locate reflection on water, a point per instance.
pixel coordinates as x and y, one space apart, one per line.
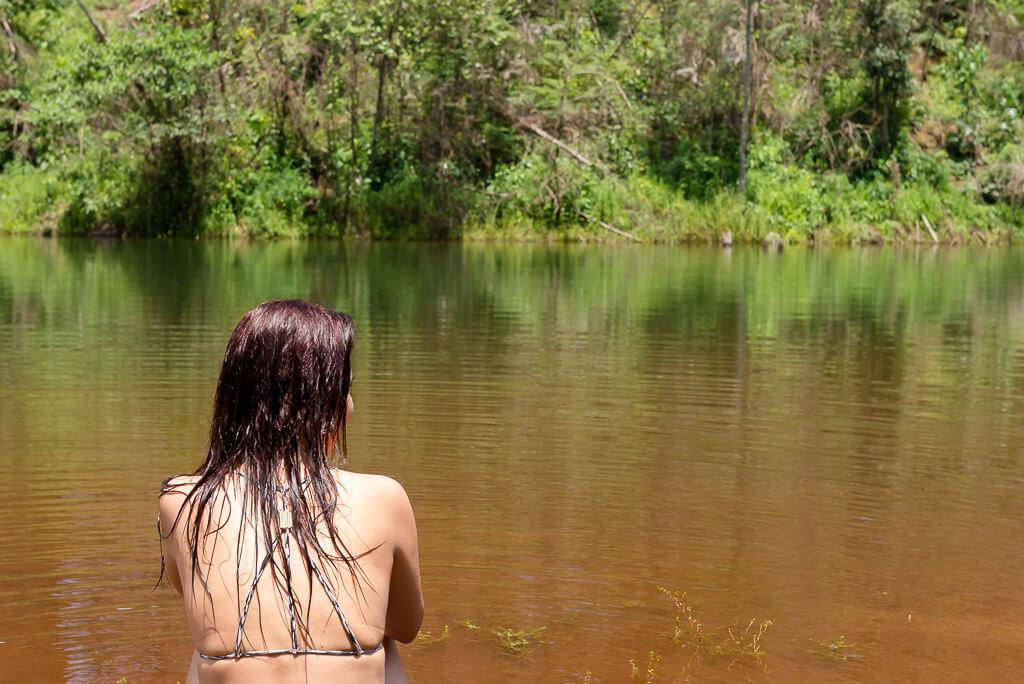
827 439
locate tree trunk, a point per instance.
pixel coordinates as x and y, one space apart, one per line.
383 71
378 115
353 102
741 184
215 40
885 125
972 11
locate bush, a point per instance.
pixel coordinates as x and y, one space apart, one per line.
95 187
411 206
689 166
790 198
26 199
1003 179
269 201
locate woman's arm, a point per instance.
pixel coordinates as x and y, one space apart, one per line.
394 671
405 597
172 498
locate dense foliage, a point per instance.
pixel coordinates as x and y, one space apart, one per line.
512 118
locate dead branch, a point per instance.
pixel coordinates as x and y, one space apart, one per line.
551 194
929 227
541 133
607 226
101 36
10 36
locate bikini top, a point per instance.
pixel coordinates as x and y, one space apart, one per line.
283 540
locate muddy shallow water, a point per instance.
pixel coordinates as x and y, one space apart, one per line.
830 440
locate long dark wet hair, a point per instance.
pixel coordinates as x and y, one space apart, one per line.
278 417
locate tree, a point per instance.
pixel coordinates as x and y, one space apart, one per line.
887 46
742 183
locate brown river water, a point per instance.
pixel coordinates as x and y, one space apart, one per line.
830 440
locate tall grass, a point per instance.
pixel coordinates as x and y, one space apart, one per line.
528 203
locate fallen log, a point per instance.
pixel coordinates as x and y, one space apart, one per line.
929 227
607 226
541 133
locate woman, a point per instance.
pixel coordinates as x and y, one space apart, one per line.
290 570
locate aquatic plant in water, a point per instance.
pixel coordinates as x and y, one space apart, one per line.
649 675
740 643
837 649
425 637
518 641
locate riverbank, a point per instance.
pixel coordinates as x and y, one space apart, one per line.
797 208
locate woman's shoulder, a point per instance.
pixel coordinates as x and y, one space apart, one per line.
370 484
378 491
174 492
178 484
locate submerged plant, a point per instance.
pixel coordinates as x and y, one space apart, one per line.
741 642
837 649
425 637
518 641
749 643
685 612
652 660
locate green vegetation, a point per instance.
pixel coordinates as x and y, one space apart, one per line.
521 119
735 643
651 673
838 649
426 638
518 641
739 640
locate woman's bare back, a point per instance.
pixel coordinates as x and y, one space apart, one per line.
377 594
